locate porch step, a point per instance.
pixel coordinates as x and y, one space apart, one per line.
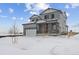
42 34
53 34
48 34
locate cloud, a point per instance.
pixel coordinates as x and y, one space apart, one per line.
75 28
3 16
28 7
21 18
32 12
14 18
17 18
67 6
36 8
11 10
72 5
0 10
42 6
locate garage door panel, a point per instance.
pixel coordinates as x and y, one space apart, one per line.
30 32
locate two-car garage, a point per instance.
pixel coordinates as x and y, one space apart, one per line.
29 29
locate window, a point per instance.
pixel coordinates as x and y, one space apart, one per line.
32 19
46 17
64 21
52 16
36 19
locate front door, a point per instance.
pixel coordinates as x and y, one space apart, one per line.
43 28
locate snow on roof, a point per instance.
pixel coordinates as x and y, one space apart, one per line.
41 21
49 10
28 23
34 16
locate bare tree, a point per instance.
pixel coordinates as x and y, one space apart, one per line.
14 31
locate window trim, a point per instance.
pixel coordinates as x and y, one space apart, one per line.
46 16
52 16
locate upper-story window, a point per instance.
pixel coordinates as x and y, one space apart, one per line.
64 21
46 17
52 16
33 20
37 19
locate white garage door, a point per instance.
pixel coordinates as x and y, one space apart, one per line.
30 32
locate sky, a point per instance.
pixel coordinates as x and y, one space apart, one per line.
20 13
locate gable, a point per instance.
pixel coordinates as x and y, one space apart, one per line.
49 10
33 16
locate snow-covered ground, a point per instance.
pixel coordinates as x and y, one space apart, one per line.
40 45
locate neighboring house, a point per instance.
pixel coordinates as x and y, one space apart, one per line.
49 22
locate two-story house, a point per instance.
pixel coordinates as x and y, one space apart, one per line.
49 22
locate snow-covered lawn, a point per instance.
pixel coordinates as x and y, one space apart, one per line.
40 45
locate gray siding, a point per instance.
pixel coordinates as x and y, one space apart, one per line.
59 17
56 16
27 26
62 21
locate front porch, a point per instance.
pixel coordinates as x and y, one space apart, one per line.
48 28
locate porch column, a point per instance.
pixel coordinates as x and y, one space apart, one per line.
49 27
57 28
24 31
37 27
